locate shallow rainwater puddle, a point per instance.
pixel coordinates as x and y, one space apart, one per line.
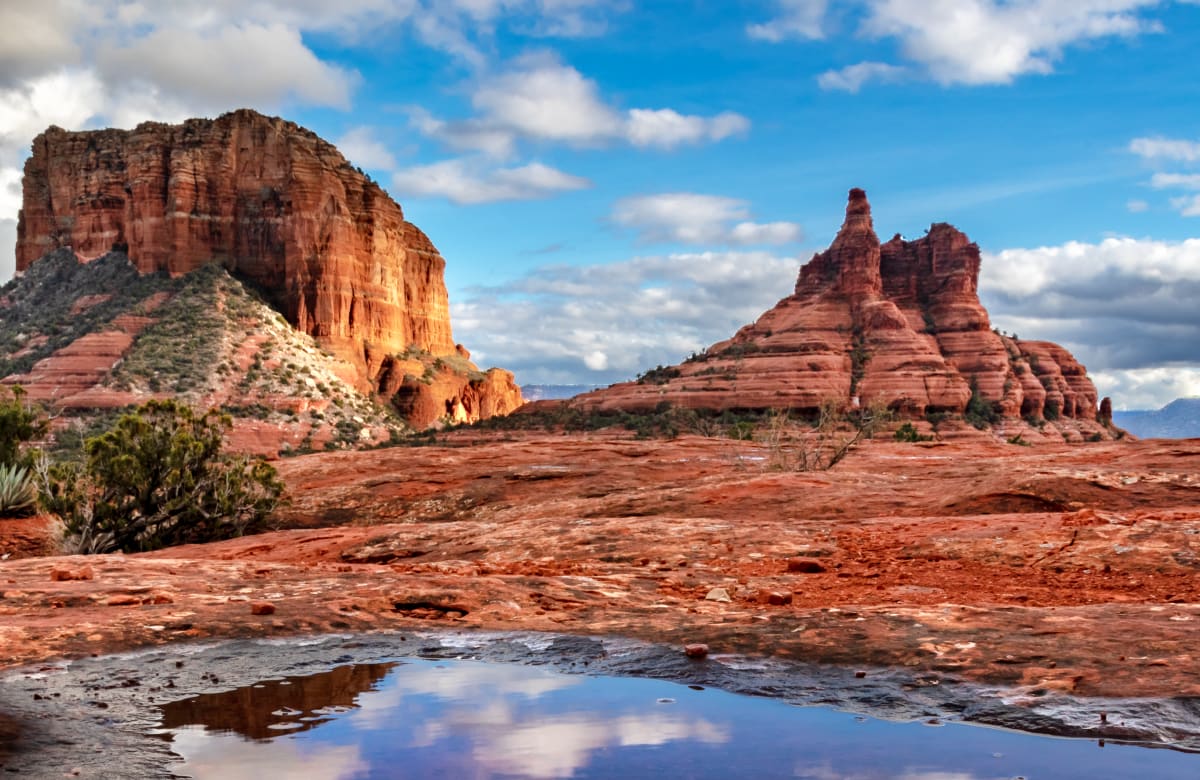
470 719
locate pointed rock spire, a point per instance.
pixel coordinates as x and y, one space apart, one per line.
851 263
858 227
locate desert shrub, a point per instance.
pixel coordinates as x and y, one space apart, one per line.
835 433
859 357
1034 422
659 375
936 418
18 494
742 430
1051 411
159 478
909 433
981 412
20 422
1020 442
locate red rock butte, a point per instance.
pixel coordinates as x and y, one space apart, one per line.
898 322
279 207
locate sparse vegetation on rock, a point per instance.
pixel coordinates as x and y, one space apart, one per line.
833 435
909 433
159 478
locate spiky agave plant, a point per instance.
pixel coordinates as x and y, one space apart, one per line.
18 494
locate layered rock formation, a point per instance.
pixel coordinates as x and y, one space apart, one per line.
898 322
280 208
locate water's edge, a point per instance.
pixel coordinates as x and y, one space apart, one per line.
95 715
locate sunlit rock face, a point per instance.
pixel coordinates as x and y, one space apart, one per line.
897 322
282 209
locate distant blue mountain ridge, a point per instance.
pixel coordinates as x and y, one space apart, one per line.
1179 419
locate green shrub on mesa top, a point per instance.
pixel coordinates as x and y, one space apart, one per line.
158 478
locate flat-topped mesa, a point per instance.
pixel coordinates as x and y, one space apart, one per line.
899 324
280 207
275 204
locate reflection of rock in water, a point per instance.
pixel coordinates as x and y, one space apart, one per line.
10 731
273 707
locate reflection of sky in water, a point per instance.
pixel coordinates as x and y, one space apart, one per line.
460 719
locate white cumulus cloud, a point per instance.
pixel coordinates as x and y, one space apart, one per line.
1123 306
852 77
795 19
1159 148
694 218
993 42
964 41
233 66
1180 153
539 99
1187 205
360 146
668 128
562 320
470 181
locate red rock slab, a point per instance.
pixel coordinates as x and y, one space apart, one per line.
1052 567
79 366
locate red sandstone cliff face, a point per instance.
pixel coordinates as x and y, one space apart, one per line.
278 206
898 322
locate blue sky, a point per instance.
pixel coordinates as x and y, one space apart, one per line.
617 184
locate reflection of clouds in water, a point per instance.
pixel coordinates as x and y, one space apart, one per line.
483 703
557 747
375 709
229 757
460 682
466 681
826 771
659 730
493 714
550 749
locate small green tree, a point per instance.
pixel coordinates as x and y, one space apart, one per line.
20 422
980 412
159 478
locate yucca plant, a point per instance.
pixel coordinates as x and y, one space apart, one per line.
17 491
